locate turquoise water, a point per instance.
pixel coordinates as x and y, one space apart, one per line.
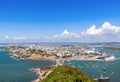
95 68
18 70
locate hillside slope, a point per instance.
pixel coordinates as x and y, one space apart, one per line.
67 74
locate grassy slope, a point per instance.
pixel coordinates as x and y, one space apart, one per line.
67 74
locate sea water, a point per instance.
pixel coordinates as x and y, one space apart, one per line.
96 68
12 70
18 70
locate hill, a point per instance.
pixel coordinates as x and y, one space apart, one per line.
67 74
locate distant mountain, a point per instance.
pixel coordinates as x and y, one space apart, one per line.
67 74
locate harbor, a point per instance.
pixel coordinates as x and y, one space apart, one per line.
92 67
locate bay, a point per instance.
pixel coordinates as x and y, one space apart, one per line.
18 70
97 68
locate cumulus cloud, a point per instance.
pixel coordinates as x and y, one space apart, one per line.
66 35
93 31
106 28
107 32
65 32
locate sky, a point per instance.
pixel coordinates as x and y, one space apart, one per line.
60 20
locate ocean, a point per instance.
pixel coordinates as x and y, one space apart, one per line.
18 70
97 68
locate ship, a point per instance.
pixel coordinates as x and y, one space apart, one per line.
110 58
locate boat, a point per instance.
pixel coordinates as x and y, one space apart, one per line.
102 79
109 58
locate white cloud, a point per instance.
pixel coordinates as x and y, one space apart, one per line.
107 32
55 36
19 38
93 31
66 35
106 28
6 37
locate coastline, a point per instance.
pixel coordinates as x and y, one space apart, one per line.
79 57
36 71
57 62
42 72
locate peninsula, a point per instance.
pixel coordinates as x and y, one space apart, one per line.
57 53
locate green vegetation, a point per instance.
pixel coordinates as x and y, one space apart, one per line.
44 74
66 56
67 74
34 51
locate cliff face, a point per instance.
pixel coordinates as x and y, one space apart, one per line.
67 74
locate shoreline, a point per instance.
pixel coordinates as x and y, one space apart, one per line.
42 72
78 58
36 71
58 62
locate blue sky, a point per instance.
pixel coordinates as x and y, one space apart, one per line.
35 19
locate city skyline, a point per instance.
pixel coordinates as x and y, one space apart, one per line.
59 21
